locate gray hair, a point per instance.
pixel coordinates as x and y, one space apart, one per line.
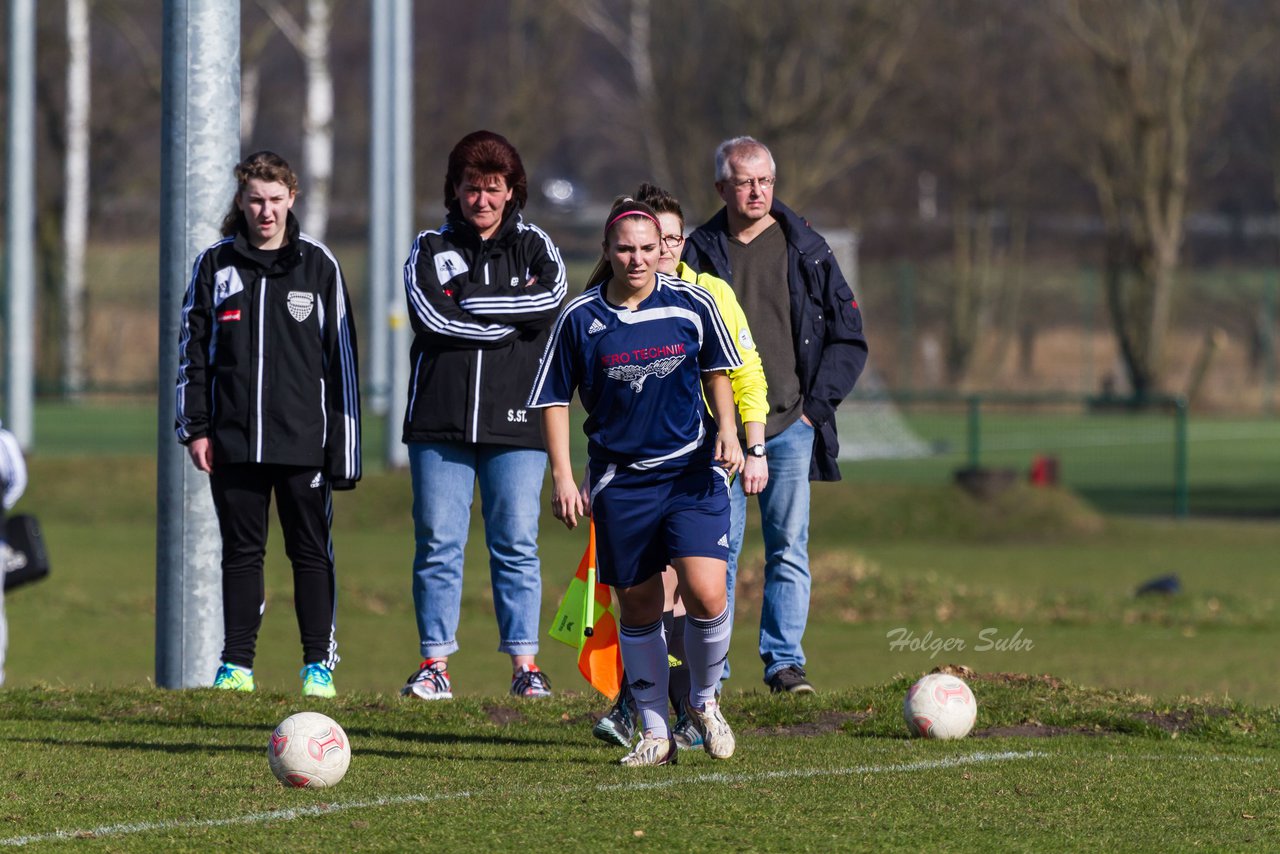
737 146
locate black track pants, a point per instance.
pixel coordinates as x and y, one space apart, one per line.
242 496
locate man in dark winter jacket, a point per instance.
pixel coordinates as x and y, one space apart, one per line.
808 329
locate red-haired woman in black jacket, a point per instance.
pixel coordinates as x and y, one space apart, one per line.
483 290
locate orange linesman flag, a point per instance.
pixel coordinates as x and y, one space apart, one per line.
587 624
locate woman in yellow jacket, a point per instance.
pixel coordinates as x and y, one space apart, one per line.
749 391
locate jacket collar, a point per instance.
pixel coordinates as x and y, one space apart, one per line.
465 233
795 228
284 260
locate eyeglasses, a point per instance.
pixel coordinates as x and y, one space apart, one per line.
672 241
763 183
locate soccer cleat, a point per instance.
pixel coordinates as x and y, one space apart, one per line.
232 677
317 681
431 682
685 734
789 680
619 726
529 681
717 737
651 751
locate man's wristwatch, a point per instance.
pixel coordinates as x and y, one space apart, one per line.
756 451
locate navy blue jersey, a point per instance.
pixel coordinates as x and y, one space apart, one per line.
638 373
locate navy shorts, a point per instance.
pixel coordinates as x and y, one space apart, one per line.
643 523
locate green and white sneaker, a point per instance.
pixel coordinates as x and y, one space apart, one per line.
686 735
317 681
232 677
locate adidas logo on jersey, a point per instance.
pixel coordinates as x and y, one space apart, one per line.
596 326
317 481
723 541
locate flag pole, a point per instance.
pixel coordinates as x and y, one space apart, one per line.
588 625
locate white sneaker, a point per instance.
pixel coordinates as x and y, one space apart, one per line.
651 751
717 737
431 682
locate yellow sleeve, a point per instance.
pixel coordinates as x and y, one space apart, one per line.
749 387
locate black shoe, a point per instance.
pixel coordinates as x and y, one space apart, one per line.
619 726
789 680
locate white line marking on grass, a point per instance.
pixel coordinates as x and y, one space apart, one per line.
800 773
324 809
251 818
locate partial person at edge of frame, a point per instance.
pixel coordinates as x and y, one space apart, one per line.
777 263
13 482
749 393
641 348
269 402
483 290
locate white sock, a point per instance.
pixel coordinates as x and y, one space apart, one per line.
706 647
644 659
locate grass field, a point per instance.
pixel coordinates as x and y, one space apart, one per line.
1052 767
1156 728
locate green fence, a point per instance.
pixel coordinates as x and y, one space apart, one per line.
1153 457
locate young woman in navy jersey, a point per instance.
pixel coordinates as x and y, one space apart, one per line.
641 348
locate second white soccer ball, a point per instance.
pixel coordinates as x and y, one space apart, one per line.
309 750
940 705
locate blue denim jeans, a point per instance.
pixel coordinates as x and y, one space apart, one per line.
444 476
784 518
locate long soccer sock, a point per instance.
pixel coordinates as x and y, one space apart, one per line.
706 645
679 684
644 658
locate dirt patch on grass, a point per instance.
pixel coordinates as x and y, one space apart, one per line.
826 722
503 715
1177 720
1044 679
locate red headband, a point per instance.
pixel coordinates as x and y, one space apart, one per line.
649 217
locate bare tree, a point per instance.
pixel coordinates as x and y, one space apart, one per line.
806 84
311 40
633 40
970 86
1153 71
75 211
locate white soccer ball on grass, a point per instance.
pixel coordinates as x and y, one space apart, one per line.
940 705
309 750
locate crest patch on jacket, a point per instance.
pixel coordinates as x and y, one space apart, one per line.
300 304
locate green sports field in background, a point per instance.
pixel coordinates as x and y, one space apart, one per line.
911 553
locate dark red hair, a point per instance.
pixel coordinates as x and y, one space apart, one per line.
484 152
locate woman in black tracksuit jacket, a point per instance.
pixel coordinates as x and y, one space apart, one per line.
269 401
483 290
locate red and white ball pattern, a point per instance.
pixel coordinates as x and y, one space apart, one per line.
940 705
309 750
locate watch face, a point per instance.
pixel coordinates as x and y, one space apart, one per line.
756 450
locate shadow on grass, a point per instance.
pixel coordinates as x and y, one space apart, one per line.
255 750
